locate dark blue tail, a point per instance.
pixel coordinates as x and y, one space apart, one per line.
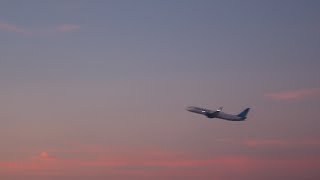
244 113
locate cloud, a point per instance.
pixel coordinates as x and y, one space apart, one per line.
45 156
239 167
272 142
67 28
278 142
11 28
147 166
156 162
294 94
63 28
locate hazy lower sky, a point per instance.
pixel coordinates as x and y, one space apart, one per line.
98 89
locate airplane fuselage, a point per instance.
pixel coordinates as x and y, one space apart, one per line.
229 117
217 114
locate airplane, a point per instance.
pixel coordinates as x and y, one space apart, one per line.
219 114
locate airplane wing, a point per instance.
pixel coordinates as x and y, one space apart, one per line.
207 112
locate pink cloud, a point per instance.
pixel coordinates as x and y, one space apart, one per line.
273 142
295 94
11 28
240 165
194 162
67 28
278 142
155 163
44 156
40 30
119 163
91 150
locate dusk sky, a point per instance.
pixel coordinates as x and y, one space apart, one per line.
98 89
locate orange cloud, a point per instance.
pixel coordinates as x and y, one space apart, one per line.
67 28
295 94
11 28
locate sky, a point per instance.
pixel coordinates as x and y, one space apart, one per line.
98 89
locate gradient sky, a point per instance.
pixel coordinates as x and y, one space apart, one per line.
98 89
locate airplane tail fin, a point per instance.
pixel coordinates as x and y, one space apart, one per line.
244 113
